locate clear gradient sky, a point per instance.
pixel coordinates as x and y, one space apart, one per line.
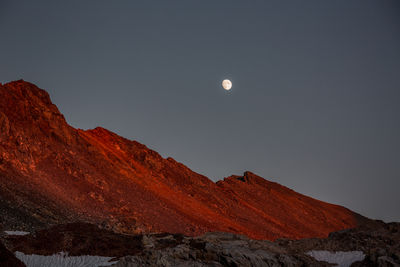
315 98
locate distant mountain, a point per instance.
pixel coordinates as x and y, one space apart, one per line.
52 173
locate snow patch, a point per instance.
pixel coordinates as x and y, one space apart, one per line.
16 233
341 258
63 260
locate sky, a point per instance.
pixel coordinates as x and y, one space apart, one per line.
316 85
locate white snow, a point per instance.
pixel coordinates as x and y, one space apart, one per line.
63 260
341 258
16 233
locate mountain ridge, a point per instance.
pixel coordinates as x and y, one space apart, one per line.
56 174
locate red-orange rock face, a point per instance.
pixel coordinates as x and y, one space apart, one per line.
53 173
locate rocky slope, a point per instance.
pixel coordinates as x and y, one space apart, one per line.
51 173
378 242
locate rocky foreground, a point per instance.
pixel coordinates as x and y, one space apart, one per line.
378 242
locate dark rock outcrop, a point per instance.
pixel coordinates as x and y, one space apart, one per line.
7 258
379 242
76 239
211 249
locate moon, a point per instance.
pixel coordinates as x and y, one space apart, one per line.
227 85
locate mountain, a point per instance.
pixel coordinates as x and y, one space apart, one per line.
52 173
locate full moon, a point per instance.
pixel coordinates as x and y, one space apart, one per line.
227 84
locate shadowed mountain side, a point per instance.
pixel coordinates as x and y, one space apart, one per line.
52 173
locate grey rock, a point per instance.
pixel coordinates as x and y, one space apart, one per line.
214 249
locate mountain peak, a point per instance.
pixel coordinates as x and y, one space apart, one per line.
22 101
26 90
247 177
